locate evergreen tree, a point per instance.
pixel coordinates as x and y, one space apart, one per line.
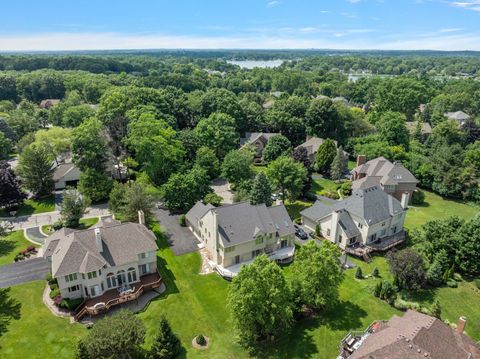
10 193
436 271
375 272
339 165
36 171
359 273
325 155
73 207
166 344
261 190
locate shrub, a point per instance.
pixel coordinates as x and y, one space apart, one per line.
310 196
70 304
377 290
358 273
53 285
201 340
213 198
457 277
57 225
435 309
388 292
346 188
182 220
298 220
317 231
54 293
49 277
452 284
418 197
477 282
330 194
375 272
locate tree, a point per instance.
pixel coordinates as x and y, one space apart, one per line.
276 146
339 165
359 273
437 269
408 268
237 167
155 146
287 175
207 159
213 198
183 190
219 100
95 185
11 194
115 336
36 171
136 199
467 258
262 281
116 199
166 344
73 207
393 130
325 155
317 275
261 190
89 146
323 120
300 154
218 132
56 140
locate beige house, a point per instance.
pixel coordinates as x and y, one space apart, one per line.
235 234
312 144
366 218
393 178
258 140
103 264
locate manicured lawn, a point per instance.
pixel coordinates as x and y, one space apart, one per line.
321 185
294 208
11 245
31 206
437 207
85 223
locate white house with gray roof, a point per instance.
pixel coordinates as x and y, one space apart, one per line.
91 263
368 216
235 234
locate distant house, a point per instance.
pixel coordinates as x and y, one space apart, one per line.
312 144
65 173
258 140
342 100
107 265
235 234
46 104
393 178
459 116
425 128
368 217
413 336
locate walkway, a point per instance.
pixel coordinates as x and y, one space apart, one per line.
35 235
23 271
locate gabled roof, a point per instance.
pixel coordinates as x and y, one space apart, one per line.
62 170
251 137
457 116
371 204
197 212
77 252
388 173
312 144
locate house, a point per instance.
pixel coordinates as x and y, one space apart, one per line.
459 116
258 140
393 178
65 173
413 336
312 144
425 128
369 219
235 234
46 104
103 264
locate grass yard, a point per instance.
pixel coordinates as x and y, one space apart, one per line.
11 245
294 208
321 185
33 206
437 207
85 223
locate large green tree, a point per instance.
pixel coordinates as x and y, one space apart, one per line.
36 170
276 146
407 267
218 132
261 190
207 159
323 120
467 257
11 194
237 166
89 146
325 155
339 165
392 129
263 282
166 345
95 185
73 207
287 176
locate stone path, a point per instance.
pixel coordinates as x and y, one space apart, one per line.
205 268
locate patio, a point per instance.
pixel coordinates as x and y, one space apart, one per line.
102 303
381 245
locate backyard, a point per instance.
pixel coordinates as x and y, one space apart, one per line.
12 244
33 206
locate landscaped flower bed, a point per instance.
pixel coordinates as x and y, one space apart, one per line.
31 250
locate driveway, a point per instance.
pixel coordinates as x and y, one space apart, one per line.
221 188
35 235
23 272
180 238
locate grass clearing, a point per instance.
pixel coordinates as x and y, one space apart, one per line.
33 206
12 244
85 223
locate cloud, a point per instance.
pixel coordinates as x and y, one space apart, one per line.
273 3
447 30
335 40
354 1
473 5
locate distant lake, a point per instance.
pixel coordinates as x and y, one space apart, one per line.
250 64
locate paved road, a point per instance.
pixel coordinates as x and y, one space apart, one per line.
22 272
180 238
36 220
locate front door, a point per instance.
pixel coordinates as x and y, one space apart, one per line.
237 259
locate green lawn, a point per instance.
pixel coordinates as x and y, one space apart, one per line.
11 245
295 207
436 207
321 185
31 206
85 223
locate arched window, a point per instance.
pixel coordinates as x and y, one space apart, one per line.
111 280
121 277
132 275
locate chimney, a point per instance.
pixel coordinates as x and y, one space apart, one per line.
462 321
141 217
361 159
98 239
405 199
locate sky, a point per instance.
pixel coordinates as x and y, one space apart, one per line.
240 24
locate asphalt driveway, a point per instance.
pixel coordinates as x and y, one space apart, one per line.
23 272
180 238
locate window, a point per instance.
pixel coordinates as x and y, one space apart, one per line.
340 238
132 275
121 277
382 233
229 249
83 277
71 277
284 243
373 237
259 240
111 280
394 229
144 268
144 255
328 231
91 275
237 259
256 253
360 225
383 224
73 289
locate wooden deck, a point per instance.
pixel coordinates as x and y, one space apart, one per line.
101 304
381 245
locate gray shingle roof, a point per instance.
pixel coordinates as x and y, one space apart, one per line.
254 136
61 170
197 212
388 172
77 252
347 224
457 116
